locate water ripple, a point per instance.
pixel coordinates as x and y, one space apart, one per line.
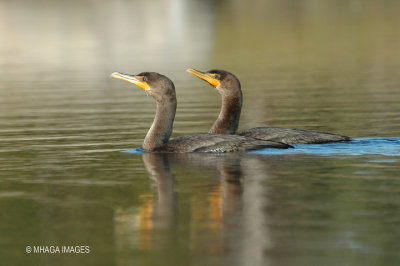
359 146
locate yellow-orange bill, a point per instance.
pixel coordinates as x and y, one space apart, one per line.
208 77
137 80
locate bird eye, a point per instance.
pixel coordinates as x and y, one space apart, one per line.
144 78
216 76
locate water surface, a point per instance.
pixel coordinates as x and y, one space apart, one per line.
329 66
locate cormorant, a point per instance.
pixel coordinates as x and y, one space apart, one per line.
228 86
162 90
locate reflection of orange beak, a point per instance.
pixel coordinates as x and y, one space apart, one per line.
205 76
137 80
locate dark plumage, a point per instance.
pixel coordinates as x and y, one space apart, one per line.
228 86
217 143
292 135
162 90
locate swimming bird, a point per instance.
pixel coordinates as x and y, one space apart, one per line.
162 89
228 86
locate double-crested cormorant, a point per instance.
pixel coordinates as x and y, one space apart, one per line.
228 85
162 90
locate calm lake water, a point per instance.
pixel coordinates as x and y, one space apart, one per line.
323 65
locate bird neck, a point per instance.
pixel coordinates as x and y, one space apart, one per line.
161 129
228 119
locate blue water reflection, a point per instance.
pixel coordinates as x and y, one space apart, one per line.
134 151
359 146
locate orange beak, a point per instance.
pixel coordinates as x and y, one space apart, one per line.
208 77
137 80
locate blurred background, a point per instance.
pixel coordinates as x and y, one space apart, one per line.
331 65
323 65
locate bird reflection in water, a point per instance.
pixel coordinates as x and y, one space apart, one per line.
151 225
211 209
